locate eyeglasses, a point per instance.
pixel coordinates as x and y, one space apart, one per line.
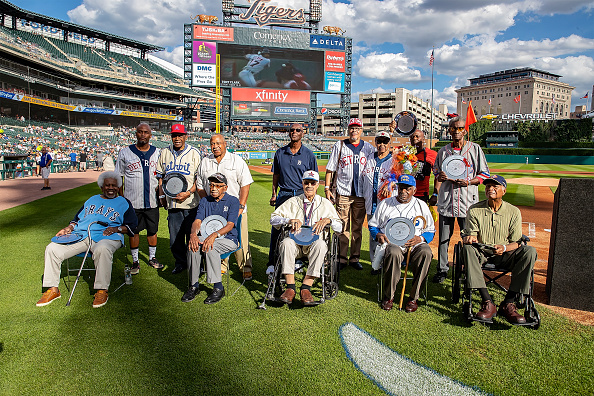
382 141
453 128
309 182
216 185
295 130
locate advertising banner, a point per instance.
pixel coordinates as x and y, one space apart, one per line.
213 33
334 82
204 52
291 111
204 75
329 42
269 95
334 61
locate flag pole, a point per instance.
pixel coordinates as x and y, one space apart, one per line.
432 66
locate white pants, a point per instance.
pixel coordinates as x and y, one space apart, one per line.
289 251
247 78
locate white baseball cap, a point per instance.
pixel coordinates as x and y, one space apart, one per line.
311 175
383 134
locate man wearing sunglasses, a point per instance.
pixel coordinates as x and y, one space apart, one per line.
427 157
290 163
454 197
376 172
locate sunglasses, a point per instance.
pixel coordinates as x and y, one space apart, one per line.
382 141
217 185
457 128
295 130
309 182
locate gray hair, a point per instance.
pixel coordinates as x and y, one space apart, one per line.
455 120
109 175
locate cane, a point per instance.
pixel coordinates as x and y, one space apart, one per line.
407 261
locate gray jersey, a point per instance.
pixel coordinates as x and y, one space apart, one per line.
352 162
139 171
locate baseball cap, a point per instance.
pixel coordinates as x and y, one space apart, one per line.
218 177
407 180
178 128
311 175
356 121
496 179
383 134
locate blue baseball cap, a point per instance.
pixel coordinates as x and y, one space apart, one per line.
407 179
496 179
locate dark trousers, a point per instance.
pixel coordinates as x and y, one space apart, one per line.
282 197
446 229
180 224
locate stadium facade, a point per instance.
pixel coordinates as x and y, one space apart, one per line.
53 70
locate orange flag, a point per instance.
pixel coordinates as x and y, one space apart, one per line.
470 117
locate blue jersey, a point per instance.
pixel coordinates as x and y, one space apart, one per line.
291 167
227 206
115 212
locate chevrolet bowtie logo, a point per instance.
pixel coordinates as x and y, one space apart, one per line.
278 96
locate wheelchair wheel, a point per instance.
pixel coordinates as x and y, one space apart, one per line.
332 269
456 274
531 314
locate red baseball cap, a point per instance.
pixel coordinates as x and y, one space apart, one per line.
178 128
356 121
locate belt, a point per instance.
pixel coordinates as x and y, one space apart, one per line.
294 192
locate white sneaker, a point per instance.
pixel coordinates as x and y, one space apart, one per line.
270 269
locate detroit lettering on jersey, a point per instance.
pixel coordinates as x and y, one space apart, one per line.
137 165
347 160
184 169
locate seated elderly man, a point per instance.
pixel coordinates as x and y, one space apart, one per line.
498 224
404 205
309 210
221 241
108 208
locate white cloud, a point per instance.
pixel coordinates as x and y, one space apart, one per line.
387 67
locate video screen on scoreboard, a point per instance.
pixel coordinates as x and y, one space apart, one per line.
269 67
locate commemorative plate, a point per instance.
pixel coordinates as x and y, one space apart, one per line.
174 183
304 237
400 230
406 123
68 238
454 167
211 224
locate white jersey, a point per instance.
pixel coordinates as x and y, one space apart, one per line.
372 178
186 162
139 169
352 162
256 63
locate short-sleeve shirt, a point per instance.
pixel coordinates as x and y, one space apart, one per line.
139 169
73 157
45 159
291 167
184 161
493 228
352 161
227 206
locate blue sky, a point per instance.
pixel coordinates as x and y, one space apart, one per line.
392 38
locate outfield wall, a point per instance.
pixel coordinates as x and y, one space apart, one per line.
541 159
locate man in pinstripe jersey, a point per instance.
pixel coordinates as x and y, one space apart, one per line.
454 197
137 163
350 204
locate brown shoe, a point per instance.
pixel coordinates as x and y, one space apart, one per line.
100 298
411 306
510 312
387 304
306 297
48 297
247 275
487 312
288 296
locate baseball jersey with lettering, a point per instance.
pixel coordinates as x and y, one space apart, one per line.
186 162
256 63
374 174
139 169
352 161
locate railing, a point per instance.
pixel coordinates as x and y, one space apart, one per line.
14 169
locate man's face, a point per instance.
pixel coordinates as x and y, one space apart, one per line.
310 187
355 132
218 145
143 134
110 188
217 189
405 193
494 191
417 138
178 140
296 132
457 130
43 150
382 144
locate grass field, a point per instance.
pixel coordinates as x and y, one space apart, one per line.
146 342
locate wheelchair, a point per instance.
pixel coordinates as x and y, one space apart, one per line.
329 276
460 289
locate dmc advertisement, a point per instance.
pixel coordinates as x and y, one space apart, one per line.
204 75
269 67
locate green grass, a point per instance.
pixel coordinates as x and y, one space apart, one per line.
146 342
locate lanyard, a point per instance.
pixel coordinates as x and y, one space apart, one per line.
308 217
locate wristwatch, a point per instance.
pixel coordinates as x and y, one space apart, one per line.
218 235
241 206
119 229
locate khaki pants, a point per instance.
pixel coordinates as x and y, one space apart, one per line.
213 261
103 251
351 211
315 252
420 260
243 255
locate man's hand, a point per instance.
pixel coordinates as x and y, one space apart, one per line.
194 243
320 225
499 250
182 196
442 177
413 241
65 231
470 239
273 200
384 192
381 238
295 225
461 182
433 200
329 195
392 127
208 242
110 230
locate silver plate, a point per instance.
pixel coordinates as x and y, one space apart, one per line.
174 183
210 225
406 123
67 238
400 230
304 237
455 167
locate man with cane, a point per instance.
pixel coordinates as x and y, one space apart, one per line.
419 253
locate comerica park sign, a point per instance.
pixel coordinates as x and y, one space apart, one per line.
265 14
533 116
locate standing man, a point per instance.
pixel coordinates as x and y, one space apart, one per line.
99 160
290 163
138 164
184 159
454 197
256 63
72 156
376 171
238 181
427 157
44 165
83 161
347 160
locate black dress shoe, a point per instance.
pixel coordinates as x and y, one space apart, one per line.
215 296
178 269
440 276
376 272
190 294
356 265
